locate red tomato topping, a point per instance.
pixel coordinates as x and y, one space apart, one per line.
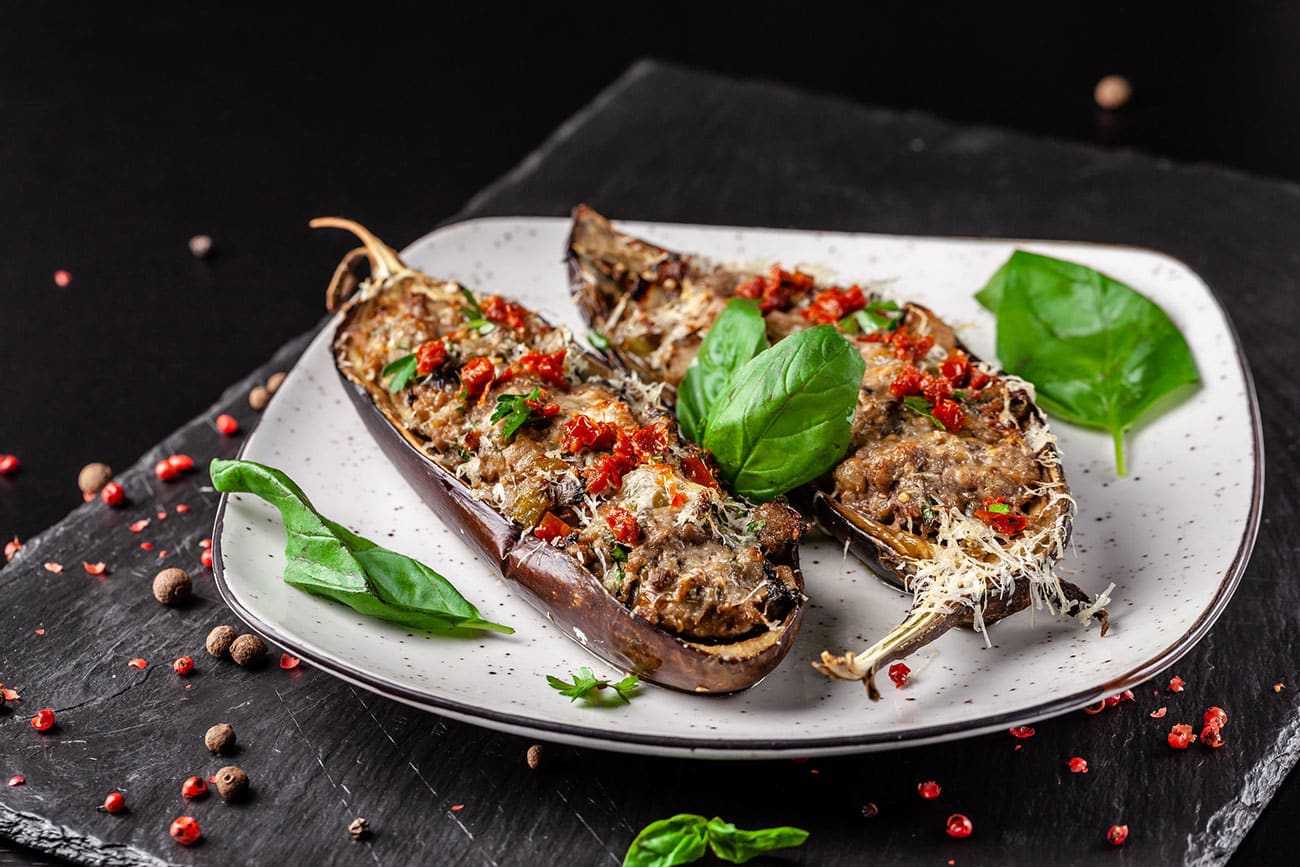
935 388
978 379
1117 834
648 442
624 525
548 367
898 673
905 345
498 309
1008 524
776 291
832 305
907 383
955 368
582 432
551 528
679 499
1215 716
429 357
543 410
698 472
476 376
949 413
605 474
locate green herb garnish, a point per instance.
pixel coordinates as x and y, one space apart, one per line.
1099 353
326 559
923 407
598 340
587 686
401 372
474 313
872 318
737 335
999 508
516 412
786 415
685 837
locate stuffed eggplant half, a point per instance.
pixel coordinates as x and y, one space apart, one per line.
952 486
569 476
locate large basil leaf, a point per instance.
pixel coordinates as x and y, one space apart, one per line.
679 839
736 846
785 418
1098 353
737 335
326 559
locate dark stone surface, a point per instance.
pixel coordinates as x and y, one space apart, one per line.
670 145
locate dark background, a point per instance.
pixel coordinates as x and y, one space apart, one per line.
124 132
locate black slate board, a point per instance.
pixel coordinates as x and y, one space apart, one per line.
320 751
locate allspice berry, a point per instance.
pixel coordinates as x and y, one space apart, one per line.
1112 92
535 756
232 783
172 586
93 477
248 650
220 639
358 828
273 384
259 397
220 739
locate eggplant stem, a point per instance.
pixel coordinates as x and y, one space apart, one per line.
383 260
920 628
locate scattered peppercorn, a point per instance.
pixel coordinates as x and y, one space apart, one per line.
1211 737
220 639
259 397
1078 765
288 663
185 830
232 783
1112 92
1022 732
248 650
928 790
1117 835
220 739
1215 716
273 384
200 246
1176 684
165 471
181 463
183 665
63 278
113 494
227 424
205 558
93 477
172 586
194 787
8 464
11 549
959 826
44 720
870 810
358 828
534 756
114 803
1278 687
899 673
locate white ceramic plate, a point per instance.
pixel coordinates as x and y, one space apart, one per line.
1174 536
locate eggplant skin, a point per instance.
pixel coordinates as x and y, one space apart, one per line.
559 587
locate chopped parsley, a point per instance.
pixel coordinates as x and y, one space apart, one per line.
514 409
587 686
478 321
401 372
922 407
598 340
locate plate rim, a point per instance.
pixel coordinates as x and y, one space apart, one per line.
742 748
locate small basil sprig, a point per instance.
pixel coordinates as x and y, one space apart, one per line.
738 334
923 407
684 838
474 313
875 316
514 409
786 415
1098 353
401 370
326 559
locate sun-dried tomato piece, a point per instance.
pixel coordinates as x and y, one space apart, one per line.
624 524
476 376
698 472
498 309
430 356
832 305
949 413
548 367
551 528
907 382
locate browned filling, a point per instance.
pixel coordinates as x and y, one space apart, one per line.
594 466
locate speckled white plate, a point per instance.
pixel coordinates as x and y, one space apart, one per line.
1174 536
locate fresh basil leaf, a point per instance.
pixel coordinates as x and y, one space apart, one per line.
326 559
514 409
875 316
786 416
921 406
1098 353
401 370
737 335
679 839
736 846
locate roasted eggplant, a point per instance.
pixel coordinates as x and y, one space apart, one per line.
952 487
568 475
